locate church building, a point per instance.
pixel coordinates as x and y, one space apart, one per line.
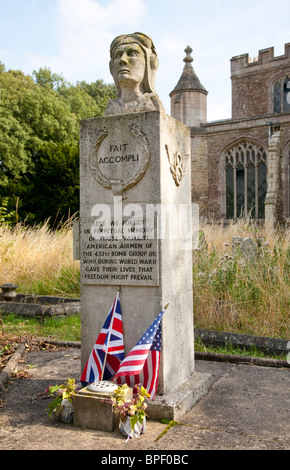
240 166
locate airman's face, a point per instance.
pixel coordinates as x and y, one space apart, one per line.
129 63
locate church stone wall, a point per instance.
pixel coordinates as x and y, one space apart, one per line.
199 170
221 136
253 120
251 82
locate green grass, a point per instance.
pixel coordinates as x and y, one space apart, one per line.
65 283
62 329
231 349
230 293
69 329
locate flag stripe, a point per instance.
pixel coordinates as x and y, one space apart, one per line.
97 362
143 362
115 348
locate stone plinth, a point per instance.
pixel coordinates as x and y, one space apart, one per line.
94 411
135 235
180 400
93 407
135 168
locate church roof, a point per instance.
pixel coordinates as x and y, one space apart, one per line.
188 79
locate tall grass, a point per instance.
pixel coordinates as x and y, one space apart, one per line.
230 293
233 293
39 260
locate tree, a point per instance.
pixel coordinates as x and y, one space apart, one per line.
52 189
45 78
100 92
86 100
39 134
29 116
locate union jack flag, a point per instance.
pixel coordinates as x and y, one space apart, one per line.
109 347
141 365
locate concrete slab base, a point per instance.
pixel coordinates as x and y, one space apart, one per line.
180 400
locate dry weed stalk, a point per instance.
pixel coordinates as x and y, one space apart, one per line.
35 257
234 294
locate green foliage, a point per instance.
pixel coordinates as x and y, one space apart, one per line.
234 350
85 100
60 392
66 283
62 329
29 116
6 217
39 136
52 189
170 424
45 78
133 409
100 92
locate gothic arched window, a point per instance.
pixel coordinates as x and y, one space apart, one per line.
246 181
282 95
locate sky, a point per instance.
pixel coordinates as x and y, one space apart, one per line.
72 38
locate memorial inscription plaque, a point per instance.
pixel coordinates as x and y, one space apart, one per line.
118 253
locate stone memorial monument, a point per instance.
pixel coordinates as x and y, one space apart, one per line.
135 223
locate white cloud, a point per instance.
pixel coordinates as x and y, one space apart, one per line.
89 13
217 109
84 31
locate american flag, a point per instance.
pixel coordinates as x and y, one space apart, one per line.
141 366
110 341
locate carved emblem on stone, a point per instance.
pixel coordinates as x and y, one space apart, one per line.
118 162
177 165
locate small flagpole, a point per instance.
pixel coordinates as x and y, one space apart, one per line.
109 337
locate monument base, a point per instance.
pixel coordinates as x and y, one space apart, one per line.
181 399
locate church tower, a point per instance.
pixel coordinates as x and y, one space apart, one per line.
189 97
